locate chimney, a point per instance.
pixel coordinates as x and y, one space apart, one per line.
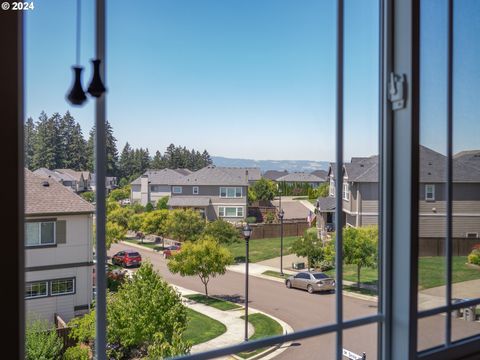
144 190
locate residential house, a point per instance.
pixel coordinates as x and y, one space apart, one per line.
322 174
110 183
360 194
82 178
216 192
155 184
300 179
58 250
64 179
274 174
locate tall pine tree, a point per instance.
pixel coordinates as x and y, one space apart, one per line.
126 163
45 147
29 142
111 149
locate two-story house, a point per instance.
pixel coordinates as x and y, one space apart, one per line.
301 178
155 184
360 194
216 192
58 250
83 178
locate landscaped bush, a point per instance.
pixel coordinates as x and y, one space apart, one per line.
325 265
42 341
474 257
270 218
76 353
114 280
251 220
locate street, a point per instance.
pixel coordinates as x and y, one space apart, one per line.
302 310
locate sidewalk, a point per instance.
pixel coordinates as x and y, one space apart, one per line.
233 322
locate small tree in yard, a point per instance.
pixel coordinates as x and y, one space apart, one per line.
222 231
309 246
145 318
120 194
42 341
114 233
263 190
360 247
135 222
155 222
184 225
204 258
162 204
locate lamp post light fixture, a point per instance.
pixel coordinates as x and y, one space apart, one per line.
281 214
247 232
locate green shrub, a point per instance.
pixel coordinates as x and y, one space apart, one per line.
325 265
474 257
270 218
162 204
42 342
89 196
149 207
76 353
251 220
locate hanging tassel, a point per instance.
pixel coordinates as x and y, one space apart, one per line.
96 88
76 96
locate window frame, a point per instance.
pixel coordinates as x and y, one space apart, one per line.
346 193
432 192
223 210
40 244
195 190
226 188
74 287
177 188
29 283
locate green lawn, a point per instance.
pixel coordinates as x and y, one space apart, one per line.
214 302
201 328
261 249
431 272
264 327
275 274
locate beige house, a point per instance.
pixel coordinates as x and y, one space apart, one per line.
216 192
360 193
58 250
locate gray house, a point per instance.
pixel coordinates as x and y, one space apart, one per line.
155 184
216 192
360 193
300 178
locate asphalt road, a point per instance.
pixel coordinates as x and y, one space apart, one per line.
298 308
302 310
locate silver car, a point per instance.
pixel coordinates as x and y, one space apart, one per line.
311 281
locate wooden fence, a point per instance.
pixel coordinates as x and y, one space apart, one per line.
265 231
436 246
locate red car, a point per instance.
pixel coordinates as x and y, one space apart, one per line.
127 258
171 250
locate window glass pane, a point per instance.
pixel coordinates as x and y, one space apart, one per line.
221 211
231 211
231 192
62 286
239 211
223 192
48 233
431 332
32 233
238 192
37 289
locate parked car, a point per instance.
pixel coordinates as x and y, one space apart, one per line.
127 258
171 250
311 281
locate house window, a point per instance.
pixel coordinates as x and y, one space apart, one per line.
346 192
231 192
36 289
430 192
331 188
177 190
62 287
471 235
40 233
195 190
227 211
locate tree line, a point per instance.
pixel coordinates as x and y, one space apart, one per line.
57 142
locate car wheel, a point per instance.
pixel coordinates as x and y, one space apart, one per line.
288 284
310 289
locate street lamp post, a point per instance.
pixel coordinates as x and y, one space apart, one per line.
281 214
247 232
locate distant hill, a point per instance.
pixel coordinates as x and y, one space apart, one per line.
264 165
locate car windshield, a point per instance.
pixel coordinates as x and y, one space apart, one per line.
133 254
319 276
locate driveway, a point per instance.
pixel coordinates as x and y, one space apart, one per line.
301 310
294 209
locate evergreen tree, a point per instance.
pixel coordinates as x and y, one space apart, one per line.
207 160
111 149
71 143
77 149
45 149
126 163
158 162
90 150
30 132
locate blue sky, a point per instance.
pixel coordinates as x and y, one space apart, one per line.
241 78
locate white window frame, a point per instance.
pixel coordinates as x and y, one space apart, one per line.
40 233
224 189
331 188
346 192
38 296
195 190
177 189
62 293
222 211
432 192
